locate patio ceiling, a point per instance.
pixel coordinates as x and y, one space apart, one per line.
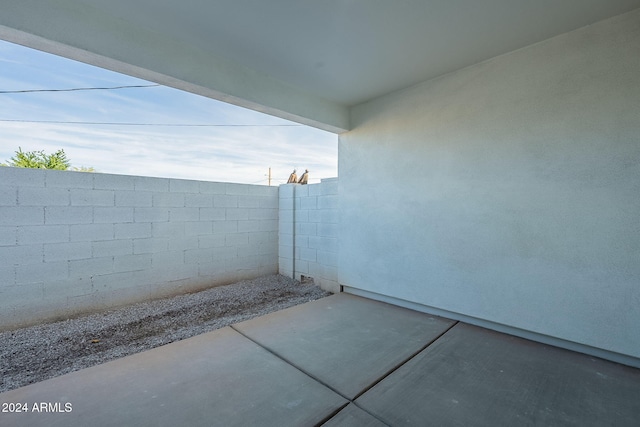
301 60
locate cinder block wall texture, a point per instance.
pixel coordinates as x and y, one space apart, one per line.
73 242
309 232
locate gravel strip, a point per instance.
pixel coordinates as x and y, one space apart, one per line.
37 353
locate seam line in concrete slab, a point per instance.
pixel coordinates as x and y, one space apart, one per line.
399 365
357 406
365 410
391 371
353 401
290 363
313 378
333 414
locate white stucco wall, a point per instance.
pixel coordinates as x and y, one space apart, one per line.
73 242
508 191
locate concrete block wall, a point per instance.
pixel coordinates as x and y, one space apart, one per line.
308 232
73 242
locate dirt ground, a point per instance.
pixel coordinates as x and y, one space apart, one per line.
37 353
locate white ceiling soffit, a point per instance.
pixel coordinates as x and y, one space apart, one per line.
299 59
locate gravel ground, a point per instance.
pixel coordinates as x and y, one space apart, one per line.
37 353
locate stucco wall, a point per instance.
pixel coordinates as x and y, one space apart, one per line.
308 230
72 242
508 191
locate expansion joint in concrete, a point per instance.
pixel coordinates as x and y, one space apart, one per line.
351 400
289 362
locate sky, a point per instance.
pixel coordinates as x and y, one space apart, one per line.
230 153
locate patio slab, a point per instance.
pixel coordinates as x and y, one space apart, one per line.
344 341
219 378
473 376
283 372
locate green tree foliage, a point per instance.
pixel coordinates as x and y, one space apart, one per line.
42 160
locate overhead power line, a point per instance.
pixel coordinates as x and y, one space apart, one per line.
77 89
120 123
141 124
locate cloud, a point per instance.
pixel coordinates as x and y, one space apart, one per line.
215 155
229 154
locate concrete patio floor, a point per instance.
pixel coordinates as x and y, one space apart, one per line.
339 361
